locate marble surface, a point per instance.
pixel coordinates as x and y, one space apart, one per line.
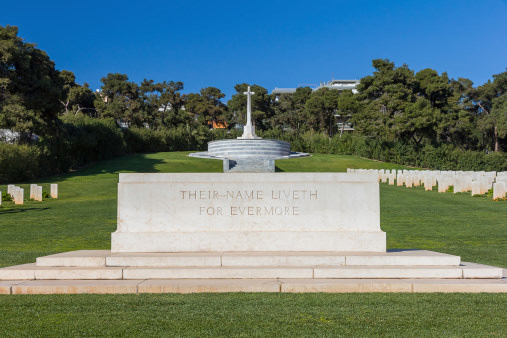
248 212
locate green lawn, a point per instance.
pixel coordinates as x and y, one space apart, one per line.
85 214
255 315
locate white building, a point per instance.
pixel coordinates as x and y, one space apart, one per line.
333 84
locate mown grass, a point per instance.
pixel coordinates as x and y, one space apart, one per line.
85 214
255 315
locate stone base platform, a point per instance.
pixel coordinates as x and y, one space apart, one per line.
100 271
253 285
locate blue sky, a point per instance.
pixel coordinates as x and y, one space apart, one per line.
269 43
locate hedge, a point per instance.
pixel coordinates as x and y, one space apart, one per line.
81 140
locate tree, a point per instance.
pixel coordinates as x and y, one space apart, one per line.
261 106
320 109
30 86
165 104
120 99
289 110
490 99
348 106
400 106
383 95
207 104
458 124
76 97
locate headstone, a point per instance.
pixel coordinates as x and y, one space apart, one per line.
486 184
54 191
443 185
400 180
0 198
32 190
392 178
38 193
427 183
10 189
409 181
416 180
499 190
385 178
19 194
476 188
248 212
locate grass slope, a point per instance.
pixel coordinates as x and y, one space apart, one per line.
85 215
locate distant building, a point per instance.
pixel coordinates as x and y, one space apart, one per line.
333 84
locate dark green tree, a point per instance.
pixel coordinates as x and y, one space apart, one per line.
207 105
120 99
289 110
491 114
261 106
321 109
76 98
30 87
165 105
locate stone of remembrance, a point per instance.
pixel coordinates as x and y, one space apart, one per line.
248 212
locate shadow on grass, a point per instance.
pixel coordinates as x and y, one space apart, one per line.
127 163
21 209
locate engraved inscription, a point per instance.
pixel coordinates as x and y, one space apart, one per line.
287 197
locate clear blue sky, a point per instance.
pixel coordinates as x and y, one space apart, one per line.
270 43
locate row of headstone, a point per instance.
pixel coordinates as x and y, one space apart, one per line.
18 193
477 182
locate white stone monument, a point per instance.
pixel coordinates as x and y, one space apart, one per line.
249 128
248 212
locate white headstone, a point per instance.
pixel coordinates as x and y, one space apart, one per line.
443 185
32 190
499 190
476 188
400 179
38 193
19 194
54 191
427 183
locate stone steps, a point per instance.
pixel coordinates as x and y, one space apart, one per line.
104 265
464 271
100 258
252 285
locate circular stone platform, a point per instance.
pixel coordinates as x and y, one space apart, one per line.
249 148
249 155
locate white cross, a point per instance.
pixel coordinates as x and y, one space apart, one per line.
249 94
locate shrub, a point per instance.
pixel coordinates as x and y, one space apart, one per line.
19 162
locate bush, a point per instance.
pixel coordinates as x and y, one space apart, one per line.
19 162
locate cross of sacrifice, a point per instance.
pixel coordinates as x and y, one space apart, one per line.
249 94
